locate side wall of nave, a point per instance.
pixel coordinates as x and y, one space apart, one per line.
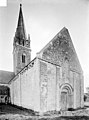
24 87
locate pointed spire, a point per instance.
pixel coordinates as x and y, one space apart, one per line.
20 20
20 31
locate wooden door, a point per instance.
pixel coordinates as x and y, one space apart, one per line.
63 100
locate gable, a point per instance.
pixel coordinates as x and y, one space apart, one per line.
61 50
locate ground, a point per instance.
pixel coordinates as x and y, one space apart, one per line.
13 112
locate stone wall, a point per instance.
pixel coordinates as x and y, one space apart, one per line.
60 51
52 78
47 86
17 57
17 91
25 87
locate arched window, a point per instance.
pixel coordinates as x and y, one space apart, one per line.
23 58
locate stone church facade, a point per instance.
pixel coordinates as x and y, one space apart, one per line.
53 80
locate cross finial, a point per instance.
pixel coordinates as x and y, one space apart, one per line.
20 5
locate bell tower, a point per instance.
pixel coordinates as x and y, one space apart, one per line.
21 45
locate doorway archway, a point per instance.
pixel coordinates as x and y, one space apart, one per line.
66 96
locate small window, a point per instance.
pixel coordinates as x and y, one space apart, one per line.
23 42
23 58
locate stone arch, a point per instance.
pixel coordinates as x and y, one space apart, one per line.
66 96
68 87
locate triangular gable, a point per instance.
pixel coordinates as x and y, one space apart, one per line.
59 49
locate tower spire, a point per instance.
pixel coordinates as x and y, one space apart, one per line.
21 45
20 31
20 19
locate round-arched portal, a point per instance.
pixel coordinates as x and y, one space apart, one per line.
66 96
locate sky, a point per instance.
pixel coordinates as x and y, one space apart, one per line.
43 20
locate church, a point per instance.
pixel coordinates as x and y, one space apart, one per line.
52 81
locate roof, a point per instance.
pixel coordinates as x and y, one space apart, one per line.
30 63
6 76
20 31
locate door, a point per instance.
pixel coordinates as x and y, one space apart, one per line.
64 100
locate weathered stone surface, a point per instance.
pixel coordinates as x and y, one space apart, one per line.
25 88
60 49
48 82
44 84
60 52
17 54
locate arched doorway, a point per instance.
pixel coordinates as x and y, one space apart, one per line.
66 96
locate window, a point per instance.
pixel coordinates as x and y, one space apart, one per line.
23 58
23 42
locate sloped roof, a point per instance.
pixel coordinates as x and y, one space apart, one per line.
6 76
20 31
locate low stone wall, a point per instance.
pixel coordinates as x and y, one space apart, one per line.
81 112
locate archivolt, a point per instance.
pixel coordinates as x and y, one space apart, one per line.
66 87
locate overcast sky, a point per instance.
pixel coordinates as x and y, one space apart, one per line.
43 20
